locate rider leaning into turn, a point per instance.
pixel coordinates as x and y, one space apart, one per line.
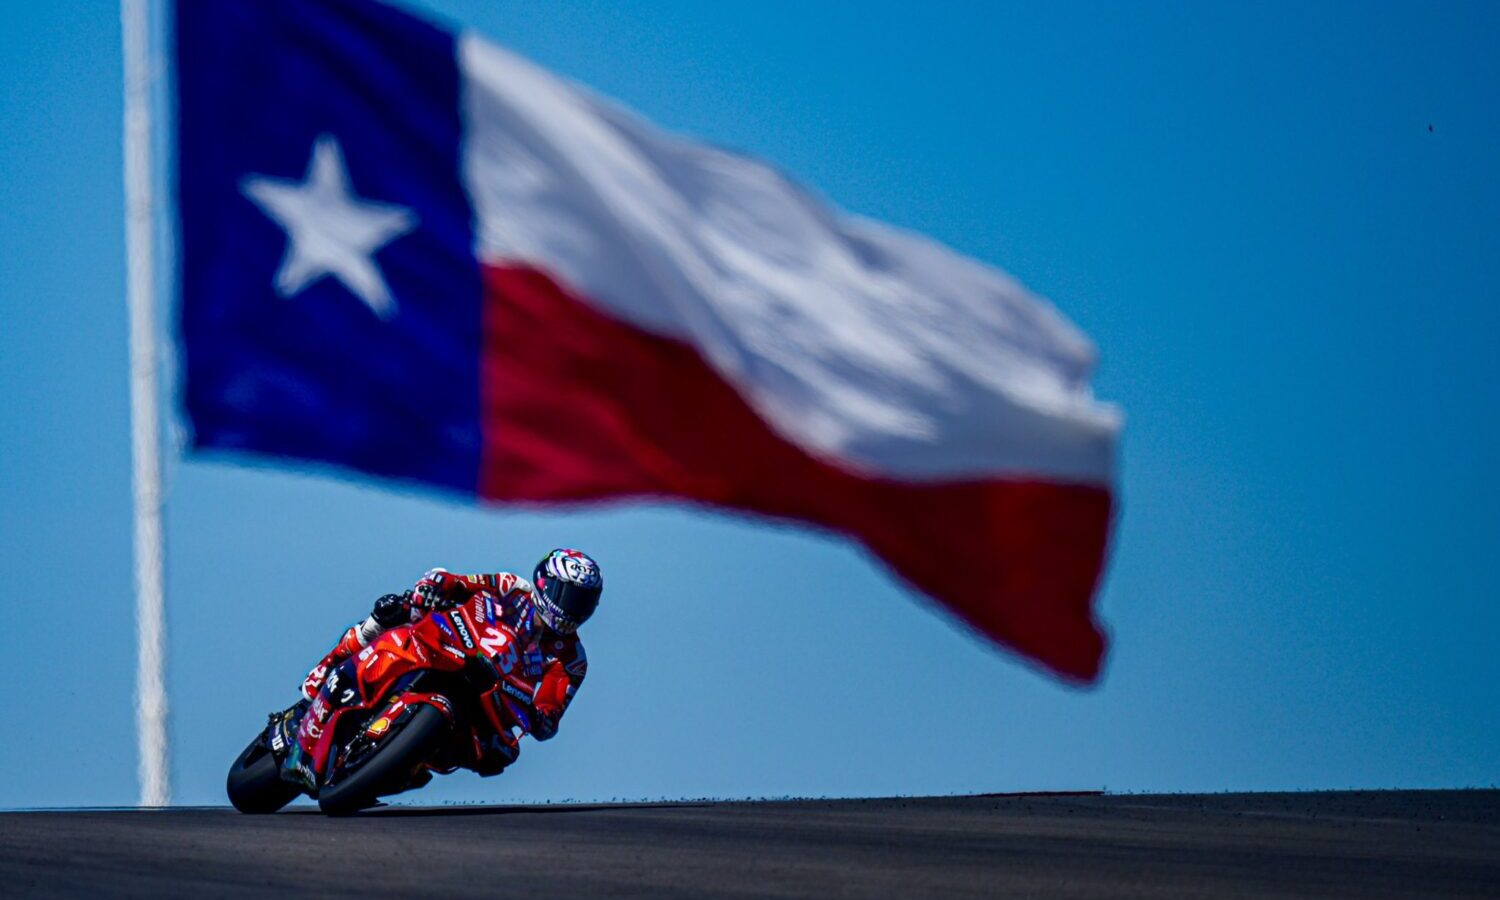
545 613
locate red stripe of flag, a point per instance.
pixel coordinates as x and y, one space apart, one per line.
577 405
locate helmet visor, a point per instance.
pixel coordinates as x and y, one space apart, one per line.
569 604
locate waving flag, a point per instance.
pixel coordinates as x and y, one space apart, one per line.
417 256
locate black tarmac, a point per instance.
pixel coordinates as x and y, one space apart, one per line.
1346 844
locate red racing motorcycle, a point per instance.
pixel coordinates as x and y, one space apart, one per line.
422 699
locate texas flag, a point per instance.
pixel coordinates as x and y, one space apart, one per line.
411 254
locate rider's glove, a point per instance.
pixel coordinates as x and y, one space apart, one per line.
427 596
392 610
544 728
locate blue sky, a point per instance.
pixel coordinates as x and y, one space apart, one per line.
1290 277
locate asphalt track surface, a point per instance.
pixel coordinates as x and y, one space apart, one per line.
1347 844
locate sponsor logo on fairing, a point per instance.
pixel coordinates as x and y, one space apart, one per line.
463 630
304 772
482 606
515 692
525 617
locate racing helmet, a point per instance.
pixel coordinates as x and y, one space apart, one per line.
568 584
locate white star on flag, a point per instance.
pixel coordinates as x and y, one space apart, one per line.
330 230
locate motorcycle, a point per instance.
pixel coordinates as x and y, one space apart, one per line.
412 704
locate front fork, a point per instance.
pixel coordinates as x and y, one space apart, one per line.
281 739
302 729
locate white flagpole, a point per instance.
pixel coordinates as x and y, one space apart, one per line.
145 425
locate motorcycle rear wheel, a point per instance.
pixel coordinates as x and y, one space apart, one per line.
389 771
254 783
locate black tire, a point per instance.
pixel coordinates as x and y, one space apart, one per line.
390 769
254 783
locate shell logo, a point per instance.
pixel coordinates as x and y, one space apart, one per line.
378 727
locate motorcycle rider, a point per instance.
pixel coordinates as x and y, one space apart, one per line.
544 612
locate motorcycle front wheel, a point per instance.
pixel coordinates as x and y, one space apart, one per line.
254 783
391 768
